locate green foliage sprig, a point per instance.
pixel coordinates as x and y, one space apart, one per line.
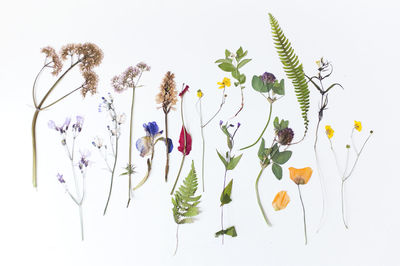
185 202
276 155
232 63
293 69
230 162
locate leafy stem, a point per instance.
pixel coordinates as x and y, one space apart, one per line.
258 197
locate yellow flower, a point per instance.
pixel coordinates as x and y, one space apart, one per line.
199 93
225 83
318 62
357 125
300 176
329 131
280 201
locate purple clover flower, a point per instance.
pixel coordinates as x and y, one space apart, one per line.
268 78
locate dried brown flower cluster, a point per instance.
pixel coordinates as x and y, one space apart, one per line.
127 78
167 96
55 62
91 81
89 54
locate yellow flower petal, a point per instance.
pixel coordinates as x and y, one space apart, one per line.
329 131
199 93
227 82
357 125
280 201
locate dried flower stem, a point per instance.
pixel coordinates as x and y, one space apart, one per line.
177 239
149 165
222 209
219 109
262 133
203 144
184 147
259 200
304 214
344 176
166 147
36 114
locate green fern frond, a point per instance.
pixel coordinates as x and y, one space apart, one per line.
185 202
293 68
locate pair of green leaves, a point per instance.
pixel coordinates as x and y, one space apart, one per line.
232 162
280 125
230 231
227 64
260 86
266 155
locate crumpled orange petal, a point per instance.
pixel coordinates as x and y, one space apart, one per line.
300 176
280 201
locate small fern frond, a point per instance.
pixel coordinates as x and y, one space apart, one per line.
293 69
185 202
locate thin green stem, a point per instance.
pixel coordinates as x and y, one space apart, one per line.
149 165
304 214
343 210
259 200
262 133
179 173
113 170
222 209
34 165
166 147
61 98
130 148
177 239
203 144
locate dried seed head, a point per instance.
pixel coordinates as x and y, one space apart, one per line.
55 59
126 79
90 84
90 55
167 96
68 50
285 136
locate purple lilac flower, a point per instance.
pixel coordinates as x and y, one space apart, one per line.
62 129
84 162
78 124
60 178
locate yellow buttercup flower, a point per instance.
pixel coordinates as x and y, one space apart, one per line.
300 176
329 131
225 83
357 125
199 93
280 201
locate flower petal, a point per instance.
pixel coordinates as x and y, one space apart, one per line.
185 142
144 146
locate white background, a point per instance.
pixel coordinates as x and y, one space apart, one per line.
359 37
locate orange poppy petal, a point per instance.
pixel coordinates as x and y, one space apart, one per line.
280 201
300 176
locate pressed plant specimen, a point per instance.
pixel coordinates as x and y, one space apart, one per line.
226 82
230 161
347 172
267 84
276 155
167 98
301 177
114 132
280 201
185 202
129 79
146 146
325 69
185 139
82 163
85 56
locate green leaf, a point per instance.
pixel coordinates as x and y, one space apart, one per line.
281 157
243 62
261 150
233 162
277 170
230 231
276 88
226 60
276 123
227 67
242 79
227 53
226 194
284 124
258 85
239 51
236 74
222 159
293 69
